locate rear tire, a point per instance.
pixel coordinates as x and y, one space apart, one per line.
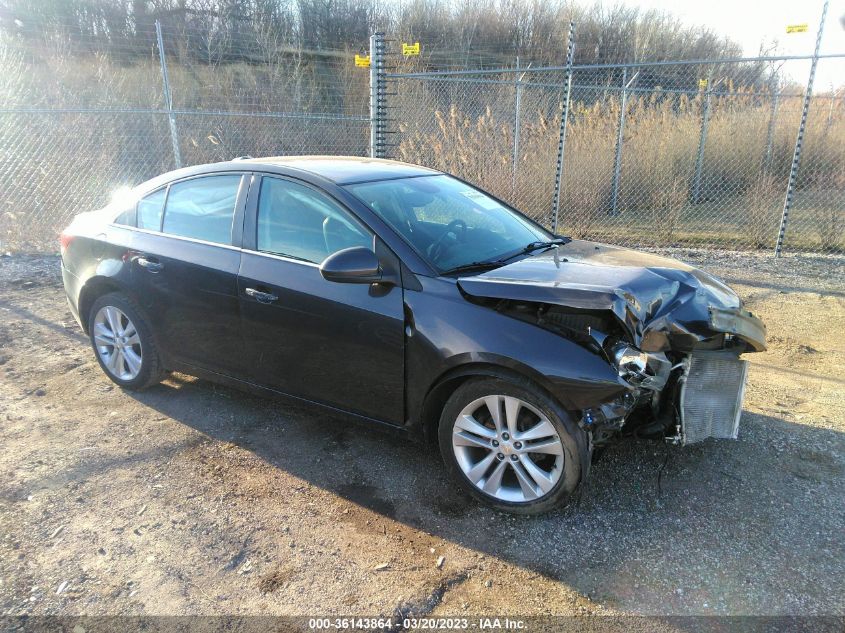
123 343
527 461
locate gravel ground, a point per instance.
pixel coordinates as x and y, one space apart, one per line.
191 498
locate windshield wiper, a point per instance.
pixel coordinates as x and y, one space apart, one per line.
473 267
495 263
536 246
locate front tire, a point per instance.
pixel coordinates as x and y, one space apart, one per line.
123 343
511 446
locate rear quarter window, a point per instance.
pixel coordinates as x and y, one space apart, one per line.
126 217
149 210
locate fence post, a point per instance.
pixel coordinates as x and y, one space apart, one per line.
564 116
377 96
516 125
617 163
702 141
168 98
796 155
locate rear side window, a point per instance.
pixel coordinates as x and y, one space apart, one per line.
298 222
126 217
149 210
202 208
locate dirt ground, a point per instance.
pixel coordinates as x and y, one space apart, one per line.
195 499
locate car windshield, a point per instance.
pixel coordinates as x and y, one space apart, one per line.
448 222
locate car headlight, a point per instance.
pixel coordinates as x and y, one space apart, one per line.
638 368
630 359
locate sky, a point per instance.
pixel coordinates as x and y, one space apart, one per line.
752 22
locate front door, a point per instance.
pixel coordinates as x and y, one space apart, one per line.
334 343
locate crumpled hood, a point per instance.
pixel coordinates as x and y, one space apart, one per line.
662 303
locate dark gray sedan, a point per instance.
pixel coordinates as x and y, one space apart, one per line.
406 297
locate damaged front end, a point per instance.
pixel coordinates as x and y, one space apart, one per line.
673 334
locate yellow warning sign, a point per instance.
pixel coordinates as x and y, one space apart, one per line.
702 83
410 49
362 61
796 28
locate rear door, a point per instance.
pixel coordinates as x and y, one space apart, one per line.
334 343
185 265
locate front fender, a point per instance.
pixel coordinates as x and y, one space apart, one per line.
448 332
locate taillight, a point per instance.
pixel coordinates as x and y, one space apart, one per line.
64 241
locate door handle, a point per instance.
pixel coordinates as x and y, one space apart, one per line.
261 297
149 264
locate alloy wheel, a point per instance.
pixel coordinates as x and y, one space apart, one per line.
508 449
117 342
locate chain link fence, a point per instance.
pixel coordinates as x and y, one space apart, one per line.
683 154
83 114
688 154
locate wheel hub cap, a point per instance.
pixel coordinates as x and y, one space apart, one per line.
508 449
117 342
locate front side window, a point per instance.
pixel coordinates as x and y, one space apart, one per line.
299 222
447 221
149 210
202 208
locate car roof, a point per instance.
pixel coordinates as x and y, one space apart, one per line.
344 170
338 170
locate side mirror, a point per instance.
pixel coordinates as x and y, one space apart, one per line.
356 265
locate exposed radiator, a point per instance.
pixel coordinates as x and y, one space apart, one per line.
711 396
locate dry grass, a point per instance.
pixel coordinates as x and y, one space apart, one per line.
763 202
56 165
740 191
831 221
